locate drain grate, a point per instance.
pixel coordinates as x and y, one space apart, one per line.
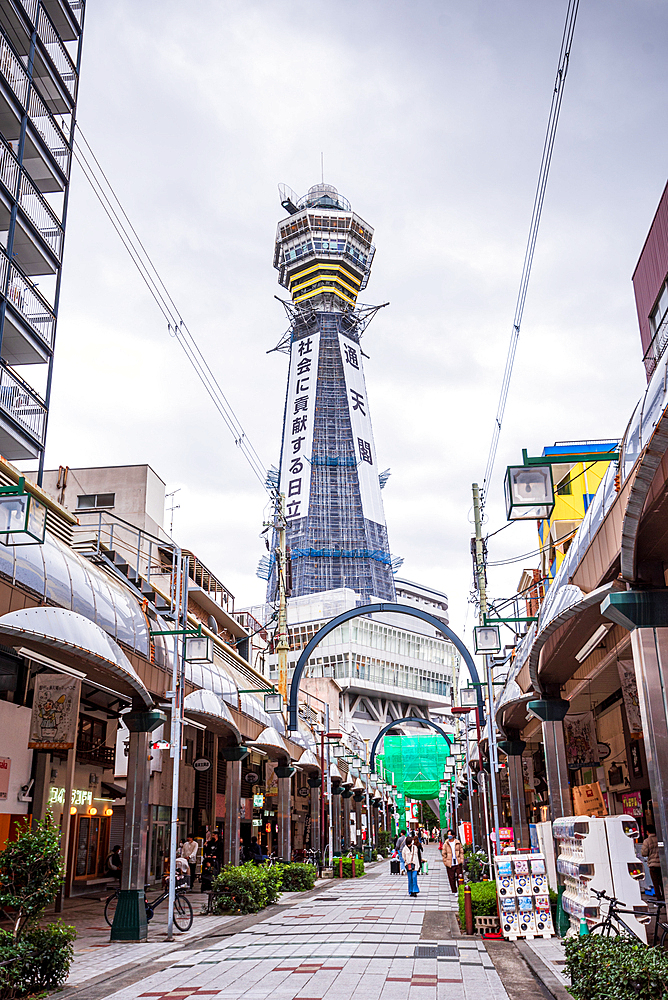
436 951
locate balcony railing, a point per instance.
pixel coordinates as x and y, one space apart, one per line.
9 168
39 212
657 347
89 752
58 53
45 124
20 402
17 78
30 7
27 300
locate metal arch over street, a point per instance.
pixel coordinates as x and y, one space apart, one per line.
374 609
397 722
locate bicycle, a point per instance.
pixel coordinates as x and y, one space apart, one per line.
183 911
606 927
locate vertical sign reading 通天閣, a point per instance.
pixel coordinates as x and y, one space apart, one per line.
298 430
360 422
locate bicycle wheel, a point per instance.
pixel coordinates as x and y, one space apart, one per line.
110 908
183 913
604 929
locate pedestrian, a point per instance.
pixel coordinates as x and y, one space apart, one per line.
650 850
399 845
453 859
189 852
114 863
255 852
412 860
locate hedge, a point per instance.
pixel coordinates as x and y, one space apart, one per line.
483 900
249 888
615 968
348 867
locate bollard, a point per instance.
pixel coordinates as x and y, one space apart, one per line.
468 910
353 867
340 867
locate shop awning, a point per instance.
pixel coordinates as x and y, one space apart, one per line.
77 642
210 709
271 742
309 762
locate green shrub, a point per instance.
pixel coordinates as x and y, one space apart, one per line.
475 864
348 867
603 968
31 873
483 900
299 877
385 840
39 960
241 889
273 876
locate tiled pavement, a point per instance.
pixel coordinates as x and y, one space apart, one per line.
354 941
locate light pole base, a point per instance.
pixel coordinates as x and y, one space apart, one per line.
130 917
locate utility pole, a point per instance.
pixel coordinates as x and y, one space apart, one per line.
282 644
176 695
482 593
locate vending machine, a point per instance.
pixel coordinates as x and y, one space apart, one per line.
597 852
524 901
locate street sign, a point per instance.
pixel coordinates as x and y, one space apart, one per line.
201 764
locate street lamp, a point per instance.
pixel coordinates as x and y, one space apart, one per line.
487 639
529 492
22 517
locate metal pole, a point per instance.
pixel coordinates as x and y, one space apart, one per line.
321 845
329 794
482 591
470 784
176 698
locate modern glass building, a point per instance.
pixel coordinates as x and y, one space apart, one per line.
328 470
40 54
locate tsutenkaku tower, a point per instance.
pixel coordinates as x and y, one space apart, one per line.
328 470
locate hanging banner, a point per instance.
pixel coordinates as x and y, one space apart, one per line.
5 767
627 679
581 741
297 450
360 422
527 770
588 800
55 712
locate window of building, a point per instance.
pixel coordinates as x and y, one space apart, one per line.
564 488
660 310
94 500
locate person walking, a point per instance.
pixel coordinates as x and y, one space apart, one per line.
453 859
399 845
412 860
114 863
189 852
650 850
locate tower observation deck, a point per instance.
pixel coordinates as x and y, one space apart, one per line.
328 470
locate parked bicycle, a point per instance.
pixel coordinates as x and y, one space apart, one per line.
612 924
183 911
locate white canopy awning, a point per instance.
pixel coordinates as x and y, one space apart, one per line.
77 642
209 708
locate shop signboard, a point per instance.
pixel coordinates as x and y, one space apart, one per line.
55 712
5 765
632 803
588 800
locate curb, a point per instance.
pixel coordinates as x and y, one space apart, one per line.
541 972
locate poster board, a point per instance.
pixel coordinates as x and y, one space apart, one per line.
524 899
588 800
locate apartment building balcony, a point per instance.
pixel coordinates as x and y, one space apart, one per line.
22 417
47 154
54 70
30 322
38 238
90 752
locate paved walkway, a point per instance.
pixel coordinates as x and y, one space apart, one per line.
365 940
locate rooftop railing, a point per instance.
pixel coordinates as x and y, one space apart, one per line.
22 404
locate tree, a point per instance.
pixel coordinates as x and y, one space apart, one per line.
31 872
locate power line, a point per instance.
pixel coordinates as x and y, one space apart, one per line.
176 325
548 146
535 552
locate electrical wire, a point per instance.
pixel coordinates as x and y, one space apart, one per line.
548 146
536 552
176 325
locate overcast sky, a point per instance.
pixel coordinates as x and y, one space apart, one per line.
431 116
